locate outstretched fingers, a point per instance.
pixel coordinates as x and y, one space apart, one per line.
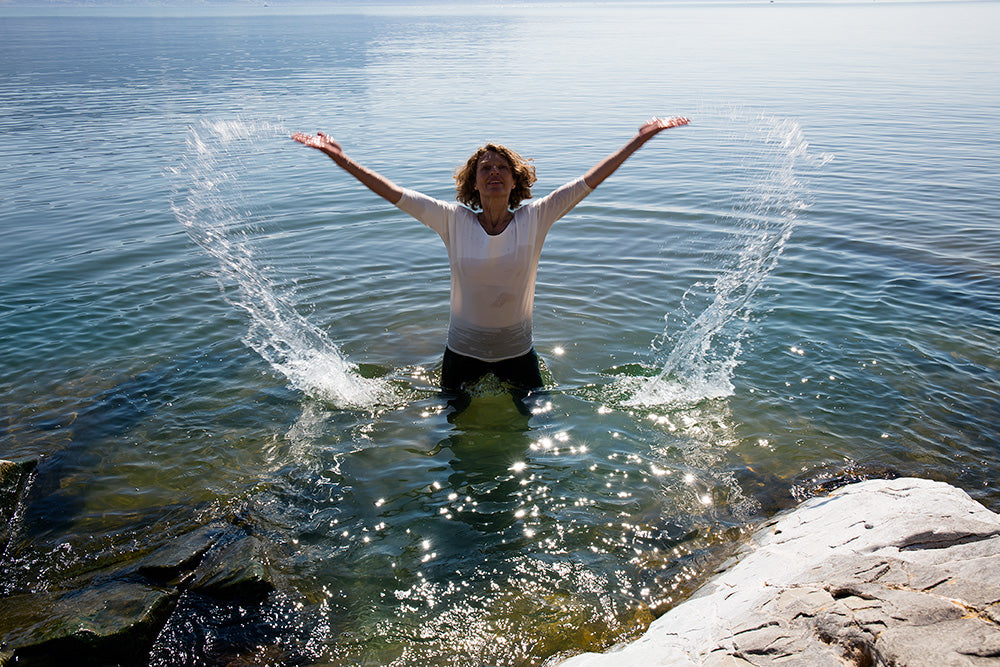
320 141
658 124
306 139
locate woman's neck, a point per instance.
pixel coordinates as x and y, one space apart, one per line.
495 216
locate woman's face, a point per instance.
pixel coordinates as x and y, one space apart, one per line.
494 177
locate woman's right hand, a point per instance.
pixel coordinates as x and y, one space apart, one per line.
320 142
372 180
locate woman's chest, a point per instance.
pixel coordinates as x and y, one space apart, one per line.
476 253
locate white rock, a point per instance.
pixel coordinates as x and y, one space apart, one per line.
855 575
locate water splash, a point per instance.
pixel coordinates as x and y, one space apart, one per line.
705 352
216 199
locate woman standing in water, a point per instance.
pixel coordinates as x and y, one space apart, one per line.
493 245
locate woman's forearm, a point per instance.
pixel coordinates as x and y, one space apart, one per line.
600 171
372 180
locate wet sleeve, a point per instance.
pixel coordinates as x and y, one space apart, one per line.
432 212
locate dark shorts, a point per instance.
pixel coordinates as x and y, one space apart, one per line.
522 372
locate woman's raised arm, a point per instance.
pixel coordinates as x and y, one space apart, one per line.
374 181
608 165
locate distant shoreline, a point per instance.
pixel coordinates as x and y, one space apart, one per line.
271 8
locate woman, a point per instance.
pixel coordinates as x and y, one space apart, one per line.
493 247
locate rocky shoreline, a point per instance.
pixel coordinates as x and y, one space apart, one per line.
881 572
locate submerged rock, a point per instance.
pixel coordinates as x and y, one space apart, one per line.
220 560
111 624
115 617
240 570
175 561
15 477
882 572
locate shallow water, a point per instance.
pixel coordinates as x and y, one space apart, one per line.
203 319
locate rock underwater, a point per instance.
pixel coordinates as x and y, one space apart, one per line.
15 477
115 618
882 572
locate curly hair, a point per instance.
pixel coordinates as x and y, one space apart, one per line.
523 172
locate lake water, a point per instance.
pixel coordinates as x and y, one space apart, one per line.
202 319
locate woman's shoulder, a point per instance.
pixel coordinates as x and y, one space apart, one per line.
415 196
574 190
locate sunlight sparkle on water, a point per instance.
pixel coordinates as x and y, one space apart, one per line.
542 408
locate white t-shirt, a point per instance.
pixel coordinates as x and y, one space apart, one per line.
493 277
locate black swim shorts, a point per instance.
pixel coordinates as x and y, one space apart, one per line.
458 370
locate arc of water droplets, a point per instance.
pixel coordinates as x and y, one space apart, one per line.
209 201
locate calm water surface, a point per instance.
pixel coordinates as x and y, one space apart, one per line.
202 319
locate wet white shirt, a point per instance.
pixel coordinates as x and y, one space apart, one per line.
493 277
